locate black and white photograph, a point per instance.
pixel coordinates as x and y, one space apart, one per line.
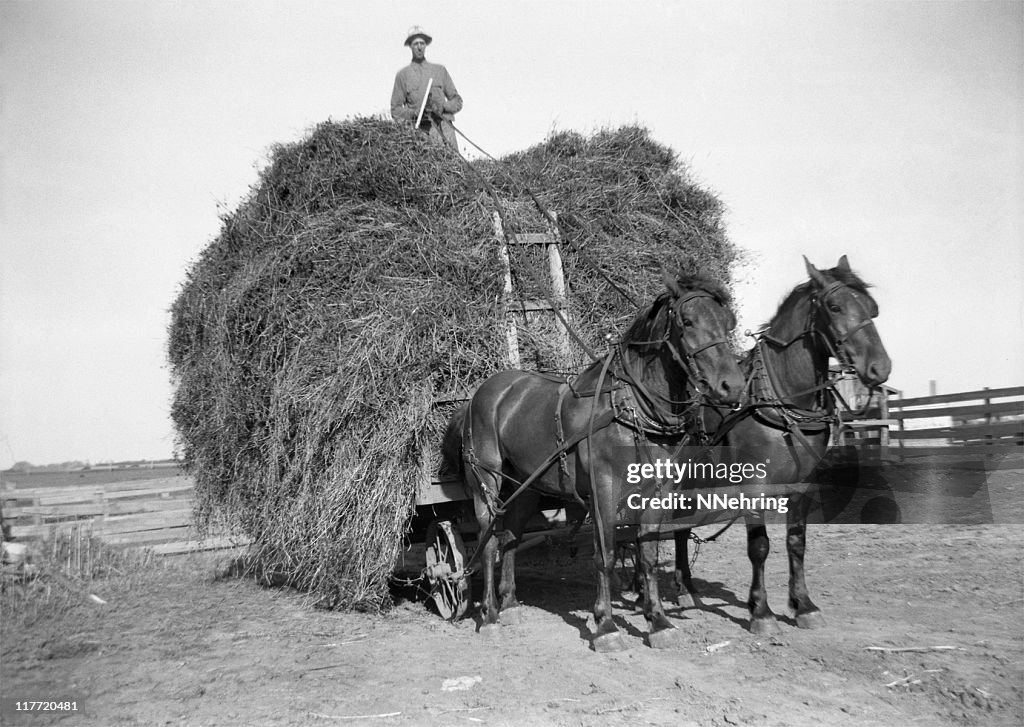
512 363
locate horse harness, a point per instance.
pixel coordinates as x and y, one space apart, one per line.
648 417
763 400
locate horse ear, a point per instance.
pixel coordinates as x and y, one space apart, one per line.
815 274
671 282
843 264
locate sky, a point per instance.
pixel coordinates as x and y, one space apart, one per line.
889 131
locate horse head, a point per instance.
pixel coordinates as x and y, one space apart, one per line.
700 321
844 313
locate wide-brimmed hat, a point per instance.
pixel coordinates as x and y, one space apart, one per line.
417 32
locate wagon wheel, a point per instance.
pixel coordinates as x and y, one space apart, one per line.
446 560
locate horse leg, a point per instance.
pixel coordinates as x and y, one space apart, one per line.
520 511
686 592
489 603
808 616
762 620
608 636
662 634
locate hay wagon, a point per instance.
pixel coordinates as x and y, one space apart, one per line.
319 342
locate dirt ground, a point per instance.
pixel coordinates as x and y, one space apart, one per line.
178 645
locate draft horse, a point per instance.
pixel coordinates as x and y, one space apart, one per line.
530 434
785 415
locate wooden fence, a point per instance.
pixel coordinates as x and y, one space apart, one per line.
974 417
155 513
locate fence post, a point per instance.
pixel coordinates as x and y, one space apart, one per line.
988 417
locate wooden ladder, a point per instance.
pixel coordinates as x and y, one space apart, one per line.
517 310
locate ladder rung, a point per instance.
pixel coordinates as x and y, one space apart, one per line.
533 238
530 306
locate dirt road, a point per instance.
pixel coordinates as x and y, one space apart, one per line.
179 646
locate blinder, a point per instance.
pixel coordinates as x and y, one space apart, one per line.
835 340
687 358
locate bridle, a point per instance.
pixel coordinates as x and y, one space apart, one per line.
833 339
836 340
794 418
685 357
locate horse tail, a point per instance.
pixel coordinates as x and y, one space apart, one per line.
452 463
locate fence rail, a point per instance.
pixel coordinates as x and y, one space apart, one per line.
155 513
986 420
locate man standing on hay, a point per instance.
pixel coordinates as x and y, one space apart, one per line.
411 85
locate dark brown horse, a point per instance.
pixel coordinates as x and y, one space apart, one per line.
529 434
784 417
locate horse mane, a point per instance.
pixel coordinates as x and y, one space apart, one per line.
845 276
651 323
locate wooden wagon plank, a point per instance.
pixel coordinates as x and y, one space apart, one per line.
438 491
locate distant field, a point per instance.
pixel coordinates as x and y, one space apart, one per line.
86 477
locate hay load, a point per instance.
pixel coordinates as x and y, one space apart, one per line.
359 279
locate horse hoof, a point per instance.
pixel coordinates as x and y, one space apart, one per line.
764 626
490 631
810 620
607 643
670 638
512 616
686 600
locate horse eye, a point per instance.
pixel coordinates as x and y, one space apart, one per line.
835 309
688 323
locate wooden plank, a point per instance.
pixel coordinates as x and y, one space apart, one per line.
930 433
136 523
56 496
169 491
511 333
105 527
995 430
170 483
961 396
87 493
994 454
975 410
149 536
32 532
532 238
453 396
969 431
438 491
98 509
557 275
533 306
195 546
870 423
93 509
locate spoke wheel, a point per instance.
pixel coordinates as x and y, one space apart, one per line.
446 561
